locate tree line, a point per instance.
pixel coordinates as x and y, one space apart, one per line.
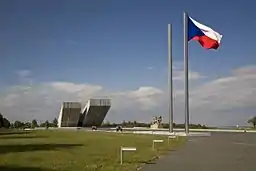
131 124
252 121
5 123
34 124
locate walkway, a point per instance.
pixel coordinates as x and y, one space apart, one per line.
219 152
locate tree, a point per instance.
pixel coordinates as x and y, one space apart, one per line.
135 123
124 123
106 124
17 124
55 122
12 126
252 121
34 124
6 123
1 120
47 124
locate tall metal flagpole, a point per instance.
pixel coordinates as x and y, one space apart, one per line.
186 86
170 87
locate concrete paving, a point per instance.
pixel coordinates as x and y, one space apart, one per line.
218 152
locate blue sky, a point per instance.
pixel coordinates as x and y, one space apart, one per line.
115 43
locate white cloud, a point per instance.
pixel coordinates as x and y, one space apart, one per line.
68 87
178 65
24 73
10 99
43 100
144 92
248 70
150 67
179 75
178 72
146 97
227 100
227 93
25 76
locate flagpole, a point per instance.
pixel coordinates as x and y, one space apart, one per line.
186 86
170 84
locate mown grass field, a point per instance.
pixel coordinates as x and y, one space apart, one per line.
71 150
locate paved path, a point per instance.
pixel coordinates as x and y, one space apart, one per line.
219 152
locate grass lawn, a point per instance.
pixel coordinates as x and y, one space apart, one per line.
69 150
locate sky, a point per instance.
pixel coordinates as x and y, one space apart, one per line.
55 51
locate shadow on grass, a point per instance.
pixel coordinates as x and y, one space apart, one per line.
141 162
147 162
4 149
169 150
13 132
151 161
21 137
19 168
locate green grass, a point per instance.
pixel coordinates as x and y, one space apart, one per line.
77 150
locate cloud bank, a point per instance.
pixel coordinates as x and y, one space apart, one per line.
228 100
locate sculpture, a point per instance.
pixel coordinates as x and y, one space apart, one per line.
156 122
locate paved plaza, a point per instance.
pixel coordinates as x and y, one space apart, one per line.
219 152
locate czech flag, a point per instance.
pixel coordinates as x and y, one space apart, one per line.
207 37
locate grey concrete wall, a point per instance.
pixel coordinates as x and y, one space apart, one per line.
70 114
100 102
95 115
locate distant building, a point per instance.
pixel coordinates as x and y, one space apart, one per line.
69 114
93 114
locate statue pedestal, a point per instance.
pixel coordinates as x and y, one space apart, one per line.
154 126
